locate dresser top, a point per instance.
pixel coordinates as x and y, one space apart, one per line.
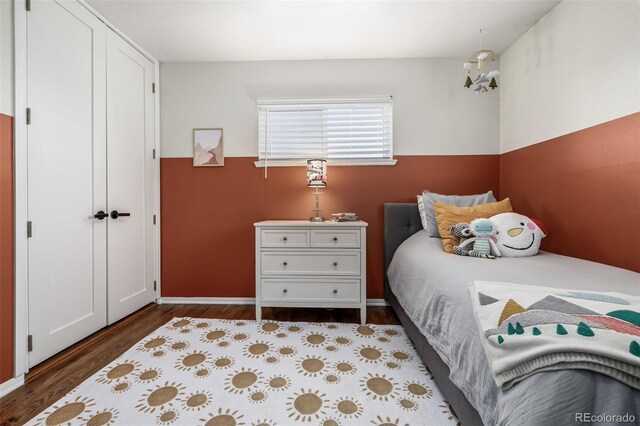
308 224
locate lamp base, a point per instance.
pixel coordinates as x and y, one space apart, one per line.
317 219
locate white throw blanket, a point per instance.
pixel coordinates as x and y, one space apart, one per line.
527 329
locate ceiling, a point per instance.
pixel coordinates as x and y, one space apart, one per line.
185 30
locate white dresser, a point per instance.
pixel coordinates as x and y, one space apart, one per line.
304 264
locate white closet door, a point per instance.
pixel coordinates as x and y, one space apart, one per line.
130 175
66 175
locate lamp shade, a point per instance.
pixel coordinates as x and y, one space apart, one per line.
317 173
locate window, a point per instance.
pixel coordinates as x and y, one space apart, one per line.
342 131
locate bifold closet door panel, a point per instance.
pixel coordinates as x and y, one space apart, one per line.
66 175
130 177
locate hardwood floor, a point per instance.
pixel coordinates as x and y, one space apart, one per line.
54 378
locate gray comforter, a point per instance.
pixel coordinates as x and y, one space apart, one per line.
432 287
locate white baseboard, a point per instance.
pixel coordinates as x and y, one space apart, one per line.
233 301
207 300
11 385
377 302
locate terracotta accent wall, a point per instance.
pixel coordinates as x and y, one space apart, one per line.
585 187
6 248
208 212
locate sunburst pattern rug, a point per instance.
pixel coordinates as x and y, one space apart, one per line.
225 373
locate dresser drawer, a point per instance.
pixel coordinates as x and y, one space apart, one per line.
284 238
310 263
310 290
342 238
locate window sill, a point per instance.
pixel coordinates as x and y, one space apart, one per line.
332 163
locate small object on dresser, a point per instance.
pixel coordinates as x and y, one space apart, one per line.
317 178
344 217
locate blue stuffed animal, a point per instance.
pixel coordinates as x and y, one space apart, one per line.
483 245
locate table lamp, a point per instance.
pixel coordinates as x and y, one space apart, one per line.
317 178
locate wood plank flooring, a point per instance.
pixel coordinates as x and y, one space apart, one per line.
54 378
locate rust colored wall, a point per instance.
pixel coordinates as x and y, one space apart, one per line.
6 248
585 187
208 212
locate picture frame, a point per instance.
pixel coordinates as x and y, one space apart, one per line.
208 147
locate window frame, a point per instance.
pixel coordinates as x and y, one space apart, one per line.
390 161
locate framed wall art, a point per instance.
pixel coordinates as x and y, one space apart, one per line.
208 148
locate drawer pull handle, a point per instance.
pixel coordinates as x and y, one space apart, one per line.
335 239
335 263
284 263
284 238
284 291
335 291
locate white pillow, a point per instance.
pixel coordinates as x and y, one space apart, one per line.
423 214
518 236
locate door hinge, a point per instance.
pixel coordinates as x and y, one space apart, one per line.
29 229
28 116
30 343
154 153
27 5
155 286
154 219
153 88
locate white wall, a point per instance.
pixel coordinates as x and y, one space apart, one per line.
6 57
577 67
433 113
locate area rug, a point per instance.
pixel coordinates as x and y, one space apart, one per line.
195 371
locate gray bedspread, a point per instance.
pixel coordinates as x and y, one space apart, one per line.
432 287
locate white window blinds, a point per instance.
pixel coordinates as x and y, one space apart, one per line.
339 130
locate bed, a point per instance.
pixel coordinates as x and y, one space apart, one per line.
428 289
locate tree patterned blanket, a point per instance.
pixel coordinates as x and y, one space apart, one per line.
527 329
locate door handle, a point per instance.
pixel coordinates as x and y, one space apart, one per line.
116 214
101 215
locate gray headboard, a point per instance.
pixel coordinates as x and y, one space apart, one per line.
401 220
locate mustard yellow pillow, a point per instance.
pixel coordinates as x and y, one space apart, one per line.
448 215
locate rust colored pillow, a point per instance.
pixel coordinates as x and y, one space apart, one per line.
448 215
